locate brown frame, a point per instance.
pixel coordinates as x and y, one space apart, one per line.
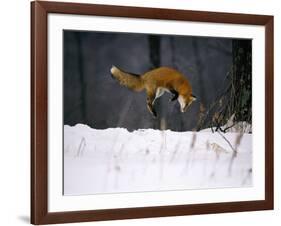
39 107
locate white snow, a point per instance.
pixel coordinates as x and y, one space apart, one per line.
115 160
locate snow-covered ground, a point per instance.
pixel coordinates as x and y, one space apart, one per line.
115 160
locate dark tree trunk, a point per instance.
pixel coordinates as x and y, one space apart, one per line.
154 51
199 68
242 79
155 61
177 119
82 81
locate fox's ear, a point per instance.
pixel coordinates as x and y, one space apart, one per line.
193 98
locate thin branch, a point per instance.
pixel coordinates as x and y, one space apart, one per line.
234 151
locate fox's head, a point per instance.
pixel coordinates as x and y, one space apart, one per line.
185 101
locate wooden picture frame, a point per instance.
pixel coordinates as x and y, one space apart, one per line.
39 112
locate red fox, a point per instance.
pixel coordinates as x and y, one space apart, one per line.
155 83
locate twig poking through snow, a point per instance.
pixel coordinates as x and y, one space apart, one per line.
238 140
82 145
177 147
193 141
234 151
237 143
247 178
218 149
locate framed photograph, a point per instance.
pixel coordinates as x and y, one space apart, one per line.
146 112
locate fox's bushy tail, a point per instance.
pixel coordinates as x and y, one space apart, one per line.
130 80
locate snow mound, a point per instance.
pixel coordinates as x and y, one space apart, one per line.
115 160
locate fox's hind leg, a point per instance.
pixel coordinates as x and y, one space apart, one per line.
149 101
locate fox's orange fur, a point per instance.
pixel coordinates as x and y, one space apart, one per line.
155 83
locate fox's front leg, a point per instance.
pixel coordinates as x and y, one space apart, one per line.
149 101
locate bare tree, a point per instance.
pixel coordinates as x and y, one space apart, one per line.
234 101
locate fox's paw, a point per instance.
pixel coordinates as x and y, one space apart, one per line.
151 110
153 113
175 97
